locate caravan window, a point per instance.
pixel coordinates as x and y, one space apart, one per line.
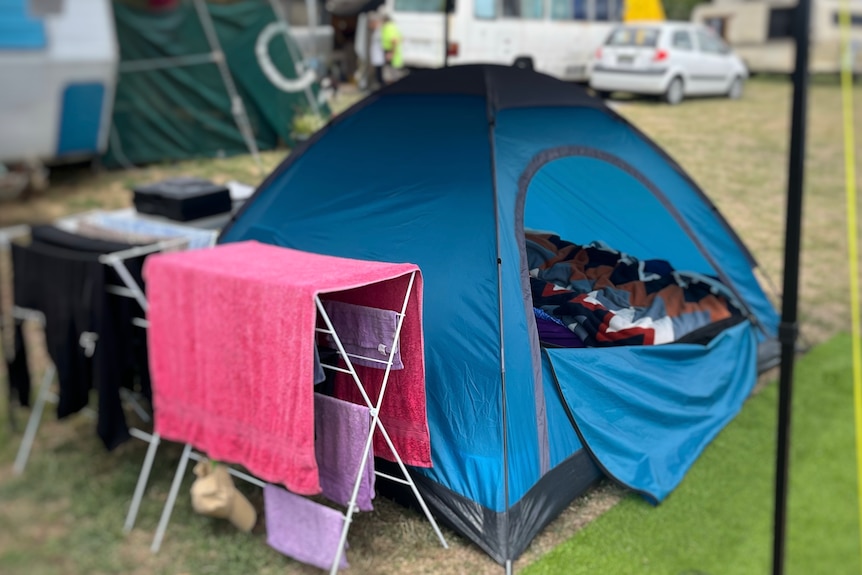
718 25
608 10
485 9
527 9
568 9
419 5
780 23
533 9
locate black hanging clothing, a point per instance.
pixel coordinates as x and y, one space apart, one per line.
67 287
17 370
59 273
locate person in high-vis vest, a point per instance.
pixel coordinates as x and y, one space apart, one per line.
390 37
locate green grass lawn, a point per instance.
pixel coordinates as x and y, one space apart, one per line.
719 521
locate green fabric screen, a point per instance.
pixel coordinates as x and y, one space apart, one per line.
182 112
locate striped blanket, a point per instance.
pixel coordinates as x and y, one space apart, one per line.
608 298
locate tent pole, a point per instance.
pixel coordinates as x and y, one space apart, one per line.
368 69
789 327
445 33
237 105
448 8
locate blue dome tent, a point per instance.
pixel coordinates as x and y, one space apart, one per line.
448 169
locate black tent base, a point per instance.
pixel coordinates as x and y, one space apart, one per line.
503 536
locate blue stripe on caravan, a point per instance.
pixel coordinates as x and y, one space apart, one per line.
19 30
81 118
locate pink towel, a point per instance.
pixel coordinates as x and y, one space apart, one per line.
231 343
403 409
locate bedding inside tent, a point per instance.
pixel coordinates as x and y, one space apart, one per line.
595 296
591 293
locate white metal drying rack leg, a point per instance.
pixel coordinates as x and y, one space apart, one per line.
376 424
44 396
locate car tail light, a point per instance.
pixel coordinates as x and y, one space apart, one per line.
660 55
599 53
452 49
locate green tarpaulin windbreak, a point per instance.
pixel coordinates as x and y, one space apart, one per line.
172 102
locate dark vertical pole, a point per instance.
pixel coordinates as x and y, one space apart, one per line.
370 78
789 328
447 9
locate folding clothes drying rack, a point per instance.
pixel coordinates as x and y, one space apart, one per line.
376 424
130 289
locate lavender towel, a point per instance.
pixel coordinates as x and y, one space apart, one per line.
300 528
341 429
366 331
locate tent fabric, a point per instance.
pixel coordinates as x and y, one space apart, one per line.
184 111
446 169
646 424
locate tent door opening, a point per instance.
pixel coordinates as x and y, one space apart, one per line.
611 264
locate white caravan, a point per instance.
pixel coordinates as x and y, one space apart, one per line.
557 36
58 69
756 29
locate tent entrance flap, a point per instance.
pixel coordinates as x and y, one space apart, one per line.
646 413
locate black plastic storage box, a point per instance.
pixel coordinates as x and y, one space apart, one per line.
182 199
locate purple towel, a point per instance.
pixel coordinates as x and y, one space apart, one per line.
366 331
300 528
340 430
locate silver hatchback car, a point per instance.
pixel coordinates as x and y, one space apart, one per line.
670 59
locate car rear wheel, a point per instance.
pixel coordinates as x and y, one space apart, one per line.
735 91
674 93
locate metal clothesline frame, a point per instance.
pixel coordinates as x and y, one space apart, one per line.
376 424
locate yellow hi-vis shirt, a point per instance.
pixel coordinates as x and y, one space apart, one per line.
389 36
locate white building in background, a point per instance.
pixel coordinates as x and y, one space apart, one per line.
757 31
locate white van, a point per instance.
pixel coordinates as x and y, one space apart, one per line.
556 37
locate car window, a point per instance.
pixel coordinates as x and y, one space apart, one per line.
681 40
634 36
710 44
